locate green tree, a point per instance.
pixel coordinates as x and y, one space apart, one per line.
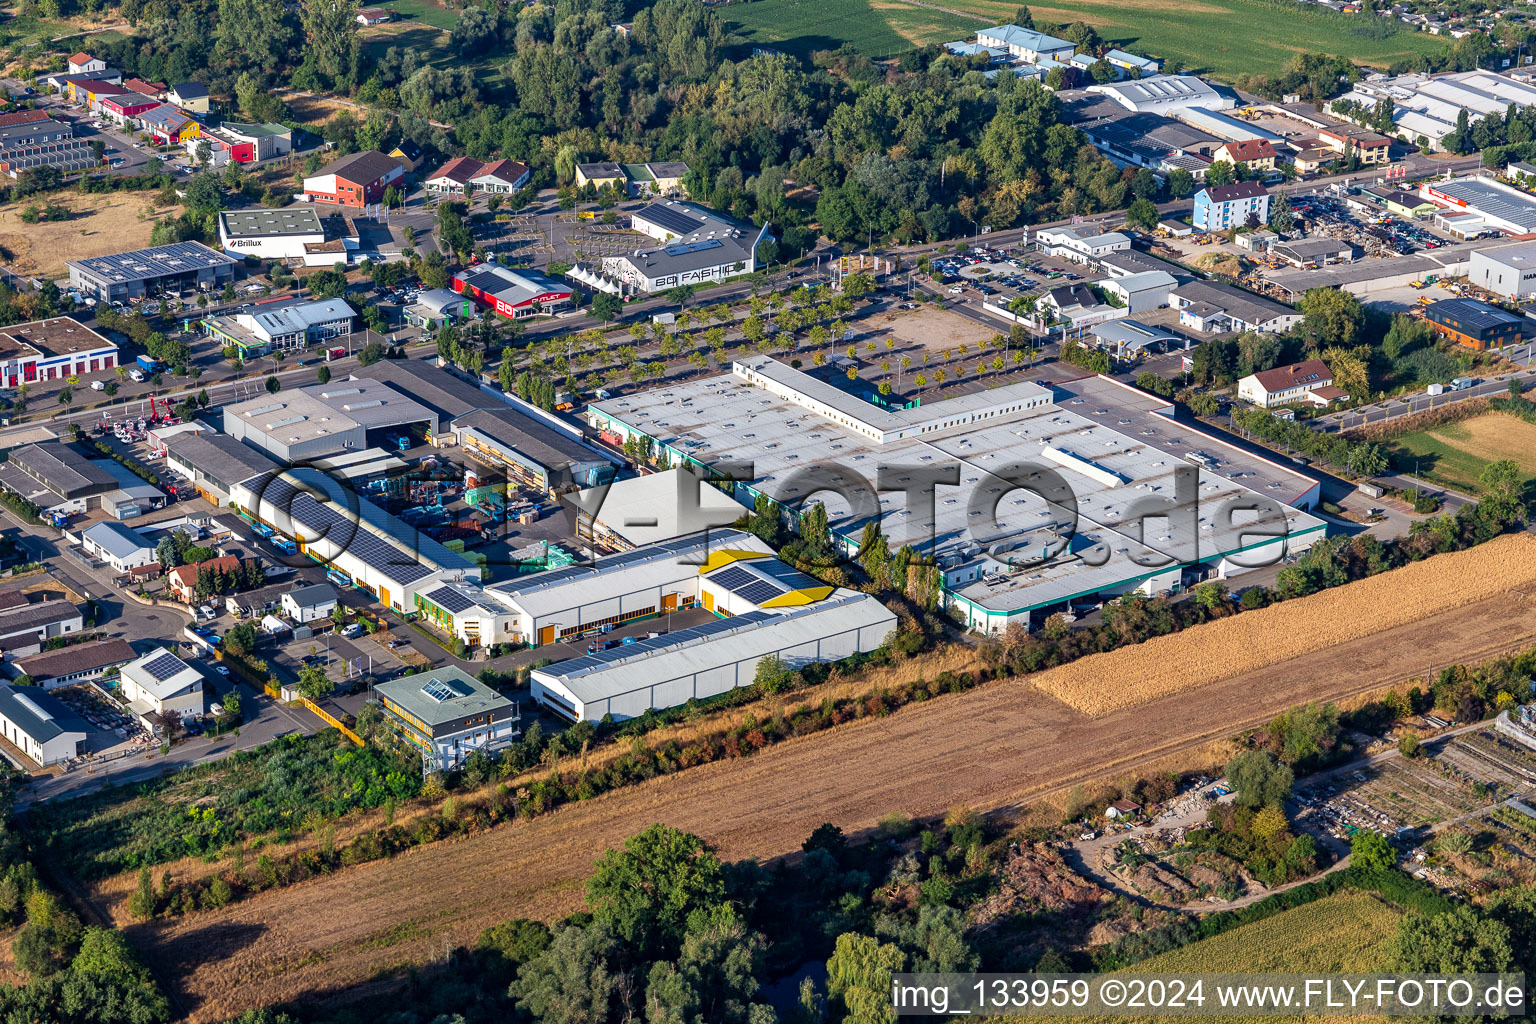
1457 941
574 981
314 683
1333 316
647 892
859 976
1257 779
1371 854
1142 214
273 385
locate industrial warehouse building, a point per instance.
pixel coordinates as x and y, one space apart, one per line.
1488 205
447 714
215 463
767 609
338 528
1509 270
50 349
58 479
283 327
40 725
649 509
163 270
699 245
326 419
1008 550
1476 324
530 449
270 234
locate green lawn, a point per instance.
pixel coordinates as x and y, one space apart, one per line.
1457 453
427 13
1223 37
26 30
877 28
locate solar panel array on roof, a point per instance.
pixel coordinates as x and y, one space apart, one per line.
671 218
450 600
160 261
322 520
164 667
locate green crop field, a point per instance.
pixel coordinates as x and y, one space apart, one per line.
877 28
1457 453
1347 932
1223 37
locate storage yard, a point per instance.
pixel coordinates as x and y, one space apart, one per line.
996 746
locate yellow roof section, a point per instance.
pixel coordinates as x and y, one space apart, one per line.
725 556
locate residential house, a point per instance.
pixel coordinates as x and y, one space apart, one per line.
374 16
169 125
77 663
149 90
1257 154
306 604
1219 207
40 725
190 96
83 64
356 180
409 154
501 177
253 604
161 684
1306 381
126 108
119 545
182 580
1371 148
655 179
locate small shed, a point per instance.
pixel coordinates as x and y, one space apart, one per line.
1122 809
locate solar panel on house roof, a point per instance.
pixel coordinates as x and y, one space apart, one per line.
164 667
450 600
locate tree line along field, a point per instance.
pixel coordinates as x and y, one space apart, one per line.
1225 38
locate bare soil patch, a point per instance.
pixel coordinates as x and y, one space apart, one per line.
933 329
995 747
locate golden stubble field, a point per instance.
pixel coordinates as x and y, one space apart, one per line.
1418 592
98 224
1000 747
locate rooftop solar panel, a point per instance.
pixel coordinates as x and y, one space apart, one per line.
164 667
759 591
450 600
731 577
672 219
640 648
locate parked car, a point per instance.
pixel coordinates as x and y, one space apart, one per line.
98 385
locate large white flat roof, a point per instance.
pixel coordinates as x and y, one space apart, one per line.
1107 431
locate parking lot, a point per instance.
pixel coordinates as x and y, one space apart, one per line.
1000 275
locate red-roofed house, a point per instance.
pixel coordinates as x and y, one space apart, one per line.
83 63
1258 154
154 90
453 178
1307 381
14 118
374 16
502 176
182 580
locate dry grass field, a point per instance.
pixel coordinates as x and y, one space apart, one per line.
1005 746
1166 665
1457 453
98 224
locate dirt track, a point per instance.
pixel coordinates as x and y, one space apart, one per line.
991 747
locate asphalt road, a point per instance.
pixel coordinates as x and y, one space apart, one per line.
1393 408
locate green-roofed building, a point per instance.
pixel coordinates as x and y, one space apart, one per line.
447 714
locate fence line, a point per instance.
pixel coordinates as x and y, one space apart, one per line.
329 719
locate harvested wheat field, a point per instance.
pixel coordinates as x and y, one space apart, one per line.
1166 665
98 224
996 747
